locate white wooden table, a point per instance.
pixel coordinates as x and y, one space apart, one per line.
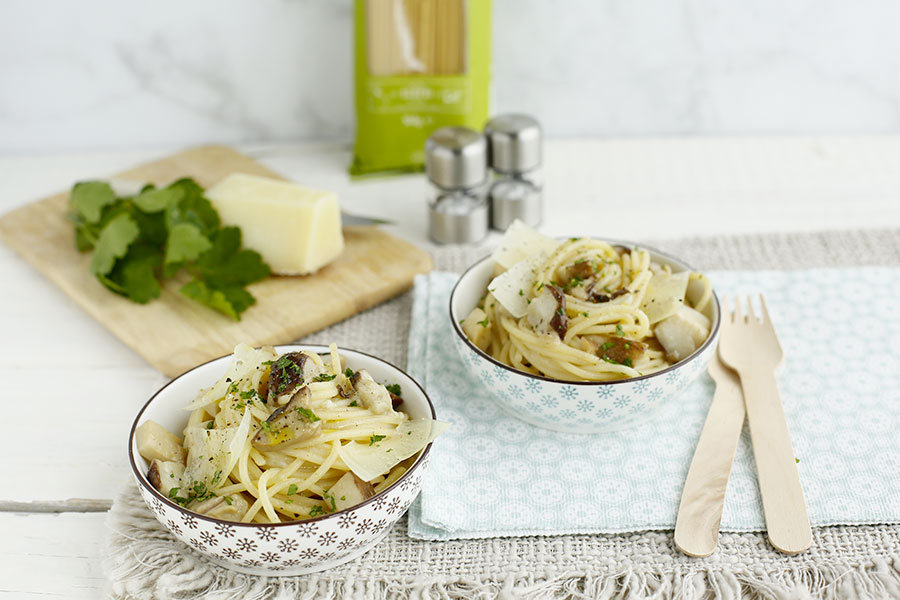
70 389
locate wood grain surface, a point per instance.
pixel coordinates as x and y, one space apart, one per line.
174 333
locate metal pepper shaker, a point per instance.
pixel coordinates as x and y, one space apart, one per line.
456 166
514 154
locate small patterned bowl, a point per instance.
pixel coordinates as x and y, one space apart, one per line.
285 548
581 407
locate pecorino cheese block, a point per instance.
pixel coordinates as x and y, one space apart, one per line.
296 230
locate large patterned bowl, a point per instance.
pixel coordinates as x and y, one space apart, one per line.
573 407
286 548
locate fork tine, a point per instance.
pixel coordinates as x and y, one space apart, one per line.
765 310
739 310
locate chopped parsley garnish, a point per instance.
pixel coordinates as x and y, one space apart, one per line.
607 345
210 424
628 363
484 322
246 395
292 489
305 412
619 331
228 500
375 438
521 293
266 426
348 373
354 403
316 511
394 388
324 377
329 498
585 314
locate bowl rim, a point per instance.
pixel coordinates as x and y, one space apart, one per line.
457 328
141 478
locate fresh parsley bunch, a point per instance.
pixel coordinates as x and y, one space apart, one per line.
139 241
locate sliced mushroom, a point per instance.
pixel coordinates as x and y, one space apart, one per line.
287 374
616 349
559 322
165 475
372 394
155 442
290 424
349 491
227 508
597 298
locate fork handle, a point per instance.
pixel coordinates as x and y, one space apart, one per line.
700 512
784 507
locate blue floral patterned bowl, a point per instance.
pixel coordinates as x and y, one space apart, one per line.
573 407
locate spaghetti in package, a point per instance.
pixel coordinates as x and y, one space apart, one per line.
420 65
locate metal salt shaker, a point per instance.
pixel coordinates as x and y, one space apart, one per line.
456 166
514 150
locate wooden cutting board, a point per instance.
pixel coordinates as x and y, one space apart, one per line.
174 333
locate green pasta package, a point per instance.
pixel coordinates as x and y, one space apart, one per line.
420 65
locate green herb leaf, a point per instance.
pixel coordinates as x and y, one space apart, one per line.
231 301
185 243
619 331
375 438
310 415
395 389
152 200
113 243
348 372
292 489
134 275
192 207
324 377
316 510
354 403
89 198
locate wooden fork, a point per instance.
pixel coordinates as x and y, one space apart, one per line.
750 347
700 511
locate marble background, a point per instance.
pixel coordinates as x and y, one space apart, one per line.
108 74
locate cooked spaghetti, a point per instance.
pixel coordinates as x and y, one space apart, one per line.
282 438
584 310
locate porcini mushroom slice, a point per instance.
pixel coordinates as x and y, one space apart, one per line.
373 395
349 491
290 424
165 475
617 349
289 372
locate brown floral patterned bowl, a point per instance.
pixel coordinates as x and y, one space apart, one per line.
285 549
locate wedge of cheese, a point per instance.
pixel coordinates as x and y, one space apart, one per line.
296 230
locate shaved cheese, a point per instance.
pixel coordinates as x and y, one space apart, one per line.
244 362
371 460
236 446
521 241
664 295
207 455
512 288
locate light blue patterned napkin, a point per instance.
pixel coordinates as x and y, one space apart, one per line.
492 475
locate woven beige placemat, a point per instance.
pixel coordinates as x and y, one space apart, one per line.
142 560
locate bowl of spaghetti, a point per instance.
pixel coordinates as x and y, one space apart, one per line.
583 335
286 460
